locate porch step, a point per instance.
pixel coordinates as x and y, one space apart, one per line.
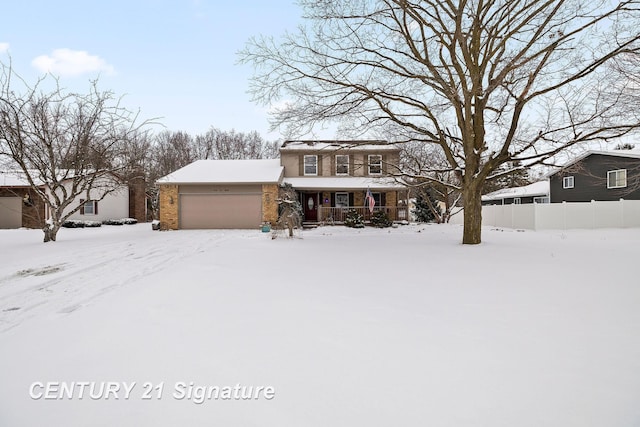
309 225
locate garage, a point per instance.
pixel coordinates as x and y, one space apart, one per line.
10 212
220 207
210 194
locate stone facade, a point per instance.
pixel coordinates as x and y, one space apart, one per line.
270 203
169 207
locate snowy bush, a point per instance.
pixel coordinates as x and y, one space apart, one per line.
354 219
122 221
380 219
77 223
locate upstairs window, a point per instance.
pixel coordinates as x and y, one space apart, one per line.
617 178
517 201
567 182
375 164
311 165
342 164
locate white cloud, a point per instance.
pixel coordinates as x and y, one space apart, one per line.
4 47
71 63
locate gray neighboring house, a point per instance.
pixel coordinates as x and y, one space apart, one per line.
538 192
599 176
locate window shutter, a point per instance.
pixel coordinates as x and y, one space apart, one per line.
383 166
351 166
81 206
319 164
383 199
301 165
95 207
365 162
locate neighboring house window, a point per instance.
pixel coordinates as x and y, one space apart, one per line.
541 199
342 200
517 201
375 164
617 179
342 164
89 207
311 165
567 182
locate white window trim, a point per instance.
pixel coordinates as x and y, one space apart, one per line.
342 173
341 193
376 164
568 182
304 165
517 201
93 207
616 172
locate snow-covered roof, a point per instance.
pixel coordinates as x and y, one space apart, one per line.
15 179
633 154
227 172
342 183
540 188
311 145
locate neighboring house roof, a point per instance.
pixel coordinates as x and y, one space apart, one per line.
634 154
343 183
536 189
226 172
15 179
311 145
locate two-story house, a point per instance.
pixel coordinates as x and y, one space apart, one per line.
598 175
330 177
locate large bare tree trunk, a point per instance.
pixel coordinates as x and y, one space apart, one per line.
472 231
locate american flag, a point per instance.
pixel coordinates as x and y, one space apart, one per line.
369 200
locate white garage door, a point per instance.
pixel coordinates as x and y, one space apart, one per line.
10 212
220 211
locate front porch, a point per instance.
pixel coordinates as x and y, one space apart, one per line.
336 215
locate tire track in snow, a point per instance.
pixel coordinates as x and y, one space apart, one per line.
91 276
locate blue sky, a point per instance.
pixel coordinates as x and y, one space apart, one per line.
172 59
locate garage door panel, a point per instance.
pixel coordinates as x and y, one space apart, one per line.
220 211
10 212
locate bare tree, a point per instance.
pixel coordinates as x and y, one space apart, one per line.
218 144
290 212
62 143
427 174
488 81
171 151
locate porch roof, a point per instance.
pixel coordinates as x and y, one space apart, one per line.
344 183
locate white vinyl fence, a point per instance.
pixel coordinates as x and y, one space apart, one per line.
545 216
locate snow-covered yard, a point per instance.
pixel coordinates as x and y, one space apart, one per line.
396 327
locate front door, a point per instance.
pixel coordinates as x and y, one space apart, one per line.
311 206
